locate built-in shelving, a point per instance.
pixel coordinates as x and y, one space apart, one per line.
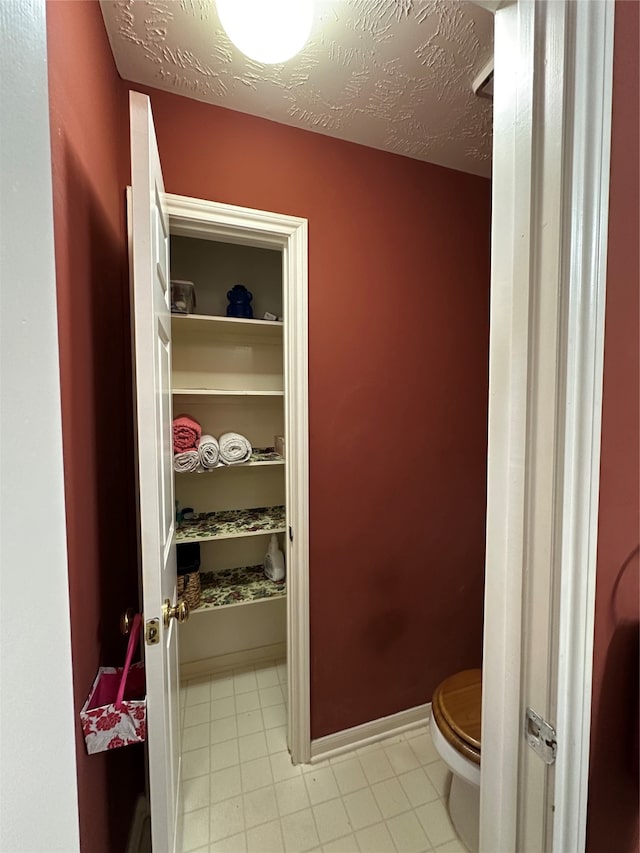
228 374
259 456
230 524
232 587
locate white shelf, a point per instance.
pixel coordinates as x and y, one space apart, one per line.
220 392
260 456
229 325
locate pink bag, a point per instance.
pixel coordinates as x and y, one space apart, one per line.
115 713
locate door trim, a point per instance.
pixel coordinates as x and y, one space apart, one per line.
586 265
191 217
552 114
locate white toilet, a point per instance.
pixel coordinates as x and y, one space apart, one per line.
455 730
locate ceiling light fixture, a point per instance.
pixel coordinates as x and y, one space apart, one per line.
269 31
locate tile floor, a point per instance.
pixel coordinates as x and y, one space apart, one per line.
241 792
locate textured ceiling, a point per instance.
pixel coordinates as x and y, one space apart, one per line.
392 74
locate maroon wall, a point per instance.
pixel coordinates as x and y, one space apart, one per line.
613 783
89 136
398 326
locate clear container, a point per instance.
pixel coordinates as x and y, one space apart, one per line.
183 297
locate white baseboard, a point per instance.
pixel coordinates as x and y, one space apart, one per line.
349 739
247 657
139 835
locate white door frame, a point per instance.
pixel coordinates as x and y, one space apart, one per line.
552 122
210 220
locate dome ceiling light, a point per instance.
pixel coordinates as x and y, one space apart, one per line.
269 31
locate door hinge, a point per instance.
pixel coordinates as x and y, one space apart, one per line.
152 632
541 737
290 533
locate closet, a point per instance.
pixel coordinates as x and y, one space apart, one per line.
228 374
248 376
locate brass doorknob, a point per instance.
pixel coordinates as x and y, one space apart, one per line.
179 612
126 620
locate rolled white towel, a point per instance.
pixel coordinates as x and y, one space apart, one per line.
186 461
234 448
209 452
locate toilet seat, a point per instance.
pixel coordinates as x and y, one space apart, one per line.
456 707
455 730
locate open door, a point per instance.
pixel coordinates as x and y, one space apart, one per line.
152 340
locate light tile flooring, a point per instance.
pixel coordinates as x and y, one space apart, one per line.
241 792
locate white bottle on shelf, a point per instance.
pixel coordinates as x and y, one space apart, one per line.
274 560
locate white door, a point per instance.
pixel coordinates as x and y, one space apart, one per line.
152 334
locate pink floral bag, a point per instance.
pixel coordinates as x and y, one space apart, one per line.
115 713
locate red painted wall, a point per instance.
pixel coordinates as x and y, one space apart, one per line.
398 330
89 135
613 784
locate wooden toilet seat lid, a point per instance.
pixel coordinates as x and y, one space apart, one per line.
458 701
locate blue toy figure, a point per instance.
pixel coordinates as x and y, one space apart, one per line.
239 302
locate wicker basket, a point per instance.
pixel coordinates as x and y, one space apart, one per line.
189 588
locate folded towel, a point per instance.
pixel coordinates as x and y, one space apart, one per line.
234 448
186 461
186 433
208 452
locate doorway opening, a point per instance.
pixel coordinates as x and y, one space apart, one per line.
246 639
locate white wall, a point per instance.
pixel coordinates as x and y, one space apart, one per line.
233 629
38 792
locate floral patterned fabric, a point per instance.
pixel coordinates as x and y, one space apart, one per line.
231 522
108 726
237 586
